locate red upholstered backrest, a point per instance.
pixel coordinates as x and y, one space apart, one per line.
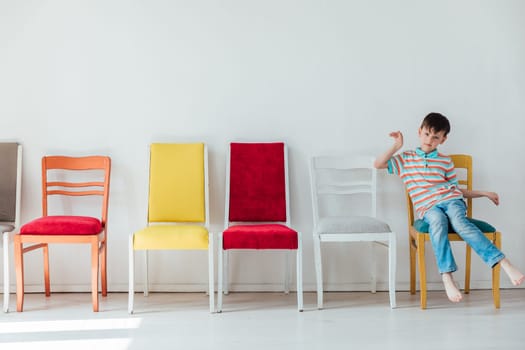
257 182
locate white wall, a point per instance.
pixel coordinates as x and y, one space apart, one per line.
111 76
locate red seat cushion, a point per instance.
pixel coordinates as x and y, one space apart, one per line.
62 225
265 236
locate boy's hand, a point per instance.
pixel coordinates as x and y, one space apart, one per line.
398 139
493 196
381 162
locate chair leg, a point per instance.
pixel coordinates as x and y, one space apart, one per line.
496 274
19 267
211 272
146 277
103 268
287 267
392 267
373 268
220 274
468 259
47 284
318 270
422 270
131 276
299 272
413 249
5 239
226 271
94 273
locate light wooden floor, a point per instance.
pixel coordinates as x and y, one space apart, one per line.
266 321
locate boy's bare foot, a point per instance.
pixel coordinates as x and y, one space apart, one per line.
515 275
453 293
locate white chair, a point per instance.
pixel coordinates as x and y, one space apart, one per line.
10 184
344 191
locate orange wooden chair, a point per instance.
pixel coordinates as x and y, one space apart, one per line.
68 177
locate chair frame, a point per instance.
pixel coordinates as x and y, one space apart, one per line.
211 268
98 242
16 224
417 241
223 257
386 239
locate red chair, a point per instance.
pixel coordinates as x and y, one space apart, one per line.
257 211
68 177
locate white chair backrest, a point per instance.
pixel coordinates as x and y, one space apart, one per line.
343 186
10 182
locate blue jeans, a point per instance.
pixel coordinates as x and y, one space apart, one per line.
454 211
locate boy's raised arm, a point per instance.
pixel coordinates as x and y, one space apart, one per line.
381 161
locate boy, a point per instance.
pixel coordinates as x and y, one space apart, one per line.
431 182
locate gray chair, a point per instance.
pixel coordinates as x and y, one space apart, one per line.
10 184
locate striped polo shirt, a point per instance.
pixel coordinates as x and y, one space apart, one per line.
429 178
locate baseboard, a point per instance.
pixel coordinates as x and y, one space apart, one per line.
244 287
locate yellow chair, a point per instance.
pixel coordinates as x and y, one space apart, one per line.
178 215
418 235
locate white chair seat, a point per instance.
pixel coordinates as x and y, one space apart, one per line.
353 224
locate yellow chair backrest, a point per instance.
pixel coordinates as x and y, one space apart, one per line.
177 183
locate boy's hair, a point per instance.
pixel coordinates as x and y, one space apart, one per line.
436 122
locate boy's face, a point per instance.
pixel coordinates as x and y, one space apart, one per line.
430 140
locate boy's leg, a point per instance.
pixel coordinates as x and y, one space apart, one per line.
438 231
488 252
